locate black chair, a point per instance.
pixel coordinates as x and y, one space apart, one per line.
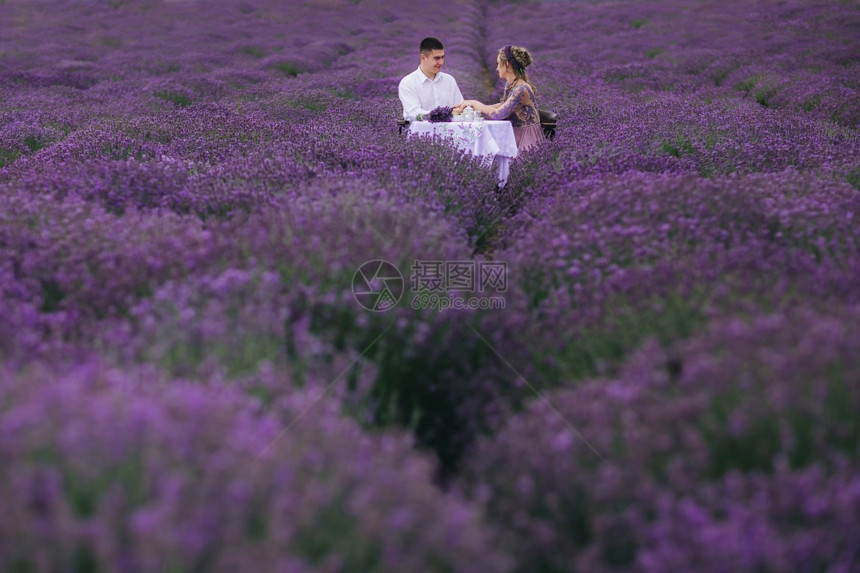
547 122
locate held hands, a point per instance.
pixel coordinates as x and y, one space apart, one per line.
476 105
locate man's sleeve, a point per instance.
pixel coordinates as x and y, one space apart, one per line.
409 100
458 97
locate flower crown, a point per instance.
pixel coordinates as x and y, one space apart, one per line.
518 67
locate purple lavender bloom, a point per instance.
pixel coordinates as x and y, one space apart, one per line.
440 114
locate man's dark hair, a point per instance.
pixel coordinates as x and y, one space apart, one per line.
430 44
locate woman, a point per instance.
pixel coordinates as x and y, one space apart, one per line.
518 103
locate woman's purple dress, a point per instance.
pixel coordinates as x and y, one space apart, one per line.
520 108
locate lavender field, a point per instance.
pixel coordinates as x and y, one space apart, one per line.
188 382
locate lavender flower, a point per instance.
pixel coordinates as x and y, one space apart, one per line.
440 114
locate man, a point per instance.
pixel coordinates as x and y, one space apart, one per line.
428 87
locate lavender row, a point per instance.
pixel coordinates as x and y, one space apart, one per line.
738 448
613 260
272 287
131 471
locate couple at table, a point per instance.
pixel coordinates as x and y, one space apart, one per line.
428 87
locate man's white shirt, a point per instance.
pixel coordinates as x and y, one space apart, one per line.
420 94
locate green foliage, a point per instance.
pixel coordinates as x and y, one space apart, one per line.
287 68
764 95
253 51
248 352
766 431
169 67
751 450
7 156
33 144
173 97
85 493
344 93
110 42
811 103
256 527
638 22
52 295
747 84
838 409
719 77
603 347
678 147
239 354
653 52
84 559
335 533
853 178
423 372
21 564
759 87
485 233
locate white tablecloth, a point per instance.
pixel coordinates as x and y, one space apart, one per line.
492 140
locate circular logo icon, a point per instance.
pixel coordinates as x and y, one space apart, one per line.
377 285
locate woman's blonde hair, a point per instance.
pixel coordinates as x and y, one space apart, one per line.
520 59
